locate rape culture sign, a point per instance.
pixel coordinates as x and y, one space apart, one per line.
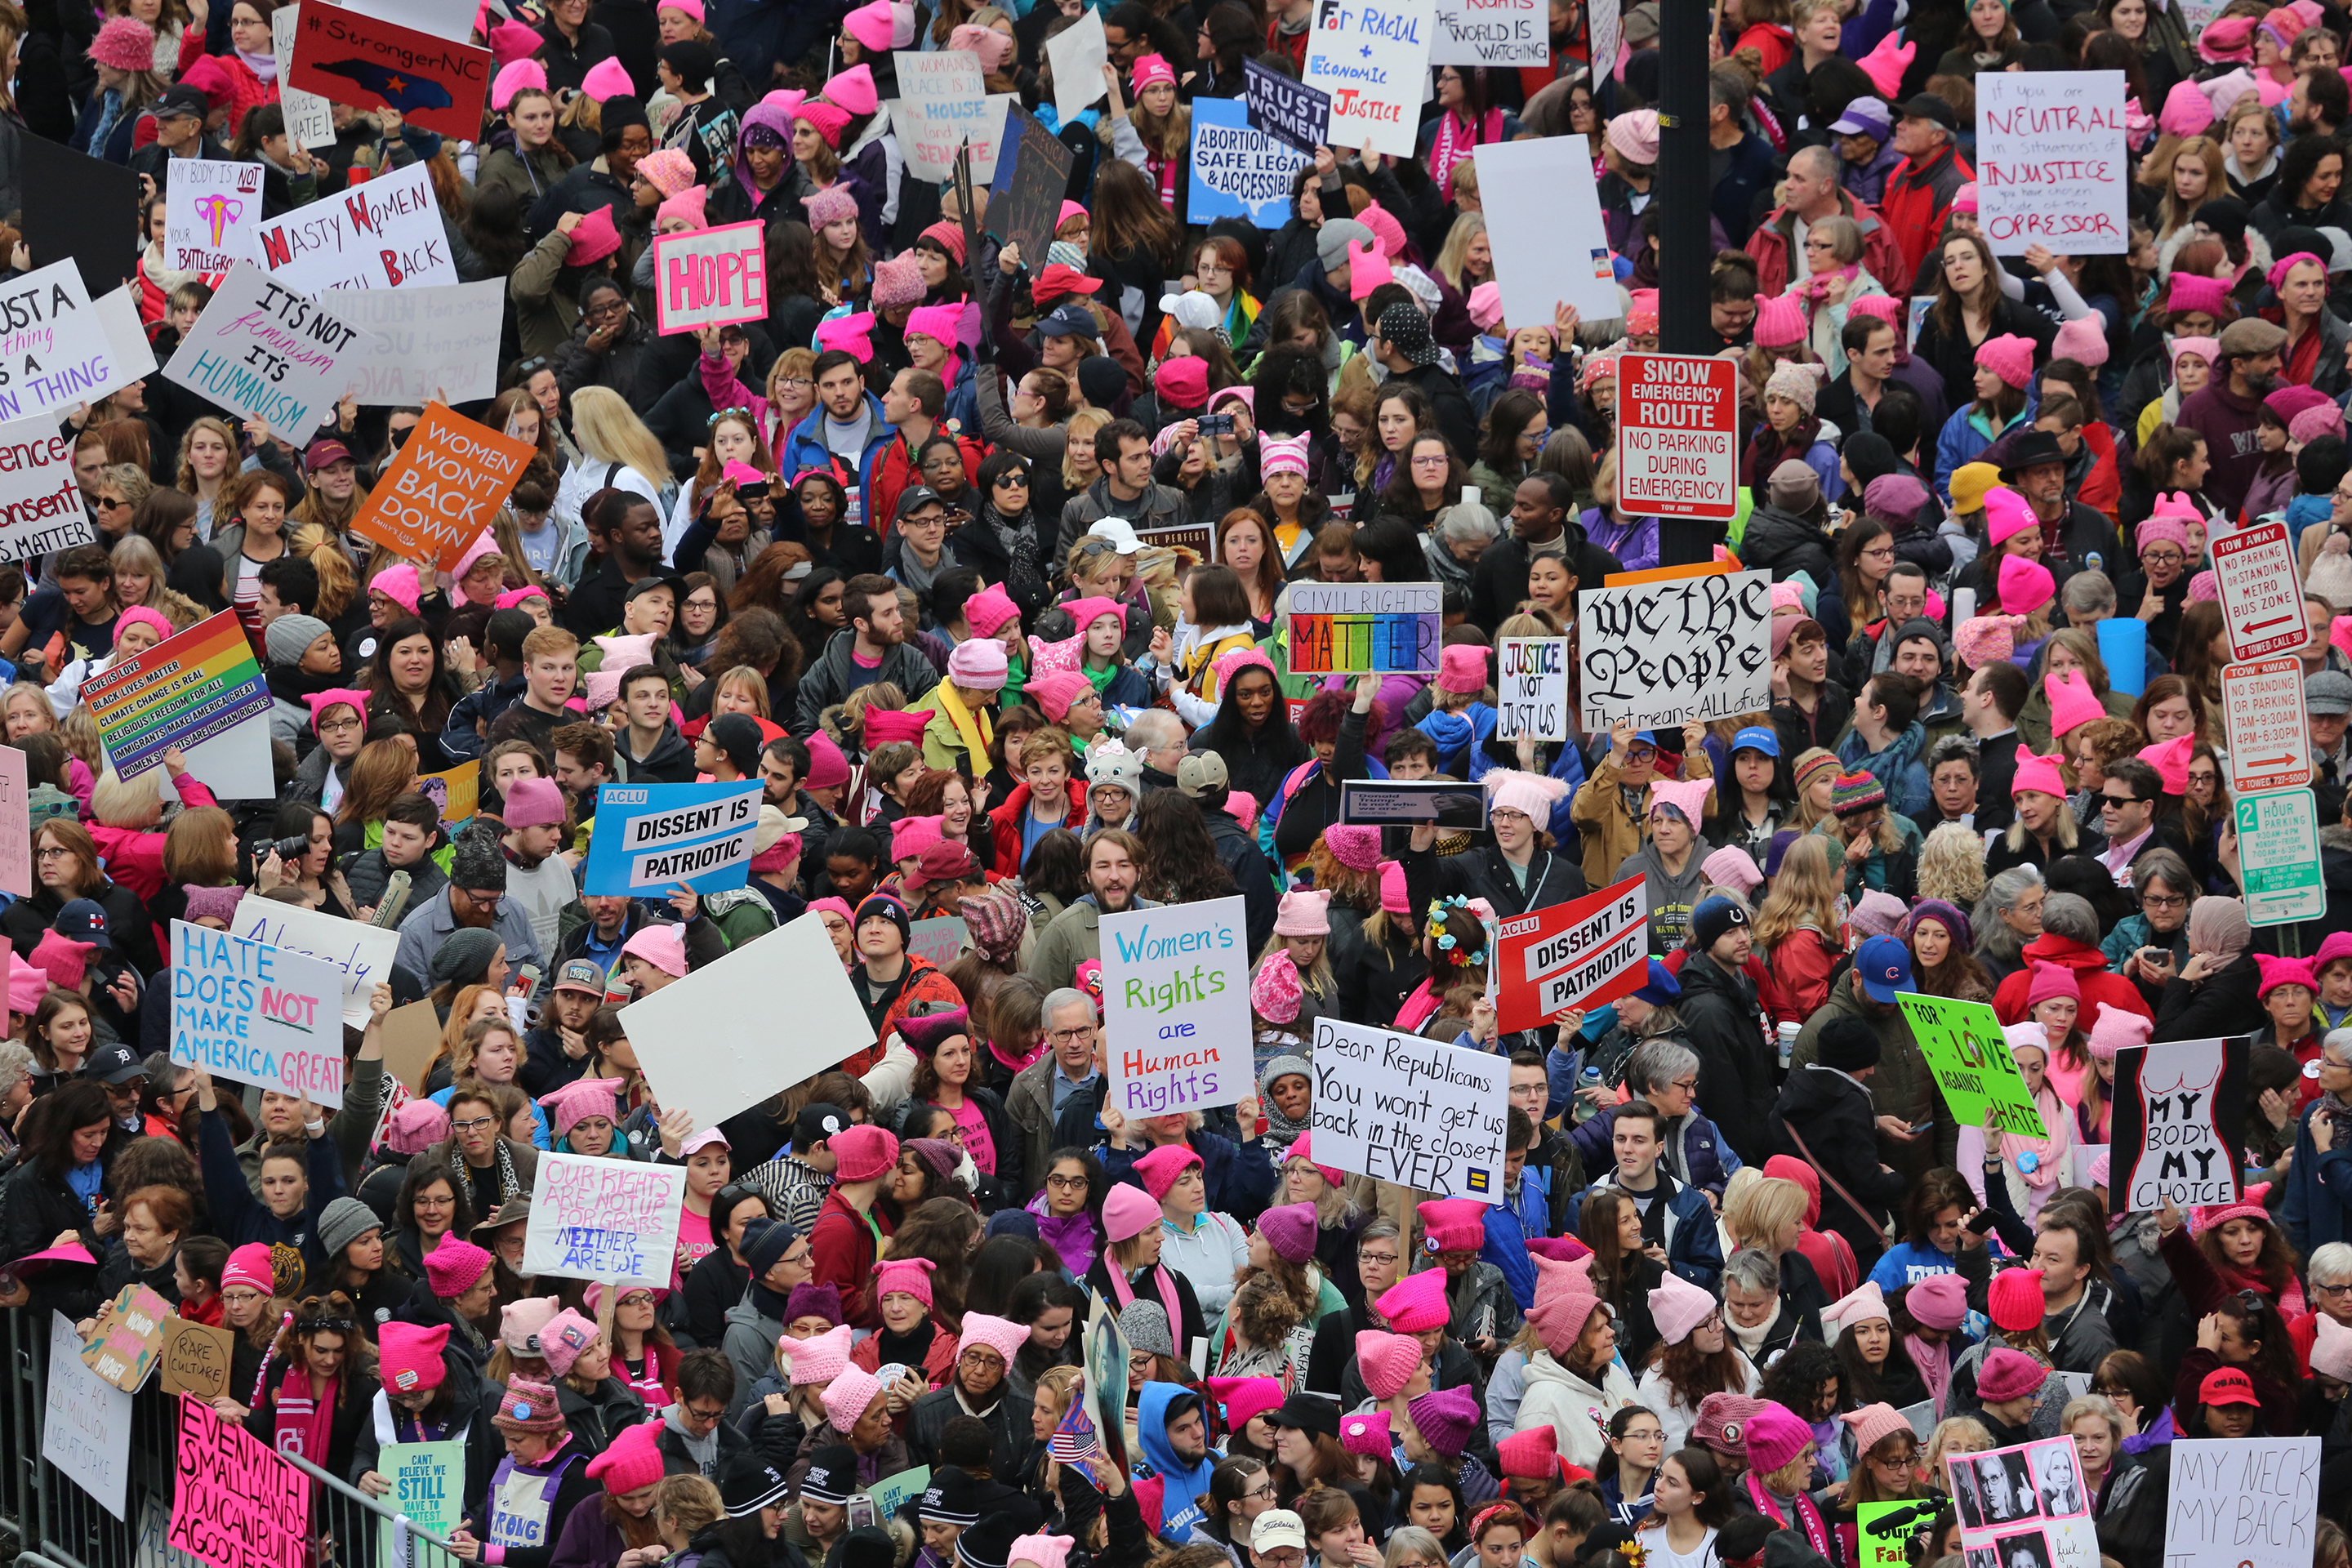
2050 161
1176 1014
245 1010
1678 437
1400 1108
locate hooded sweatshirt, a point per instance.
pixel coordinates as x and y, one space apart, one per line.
1181 1480
1671 897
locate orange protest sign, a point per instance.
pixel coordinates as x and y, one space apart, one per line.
449 482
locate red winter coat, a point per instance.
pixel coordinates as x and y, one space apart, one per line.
1775 241
895 472
842 1254
1916 200
2091 974
1831 1254
1004 822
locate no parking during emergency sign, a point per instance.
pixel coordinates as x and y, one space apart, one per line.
1677 436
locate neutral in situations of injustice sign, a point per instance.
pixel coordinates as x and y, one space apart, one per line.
1405 1109
2050 161
1675 651
1677 436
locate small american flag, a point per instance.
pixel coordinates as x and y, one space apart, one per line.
1075 1439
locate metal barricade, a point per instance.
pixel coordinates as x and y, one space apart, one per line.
47 1521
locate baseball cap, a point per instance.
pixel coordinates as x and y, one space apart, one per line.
1928 106
1757 737
1278 1527
581 974
325 454
917 497
647 584
181 99
1200 773
2227 1386
1884 966
1864 117
114 1065
817 1122
1118 531
82 919
1069 321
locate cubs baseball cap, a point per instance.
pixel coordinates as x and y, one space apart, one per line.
581 974
1884 966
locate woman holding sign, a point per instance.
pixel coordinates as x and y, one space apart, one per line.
313 1399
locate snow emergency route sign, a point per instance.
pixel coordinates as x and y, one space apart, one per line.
1677 436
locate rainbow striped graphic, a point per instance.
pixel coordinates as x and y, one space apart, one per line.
182 693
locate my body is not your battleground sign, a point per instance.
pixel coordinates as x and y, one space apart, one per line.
1403 1108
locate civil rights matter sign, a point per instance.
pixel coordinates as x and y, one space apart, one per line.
1678 437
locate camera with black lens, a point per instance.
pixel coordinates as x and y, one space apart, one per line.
289 849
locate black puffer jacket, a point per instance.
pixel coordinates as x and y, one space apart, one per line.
1724 1026
2221 1004
1784 544
1833 1117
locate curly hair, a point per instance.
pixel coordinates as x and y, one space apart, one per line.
1264 1312
1951 865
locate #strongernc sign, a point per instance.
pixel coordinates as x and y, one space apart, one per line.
1404 1108
1176 1014
2050 161
1677 436
1684 650
246 1011
651 838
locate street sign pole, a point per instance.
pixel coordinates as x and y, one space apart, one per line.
1684 251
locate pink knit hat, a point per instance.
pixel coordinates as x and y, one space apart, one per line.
828 121
2025 585
1057 691
897 281
1416 1303
1245 1397
565 1339
1677 1306
1564 1302
661 945
1291 1230
1453 1225
1532 795
2052 981
1395 898
2071 702
2037 774
520 1323
2163 528
398 583
2278 972
2015 1301
249 1266
1986 639
2331 1351
2170 761
1688 796
1183 382
831 205
1386 1360
1939 1302
1877 913
416 1127
849 1396
1002 1335
1887 64
1461 670
668 170
2118 1029
408 1358
1158 1169
1306 912
1275 993
125 43
608 79
1866 1304
1128 1212
1151 70
1779 322
990 45
904 1276
818 1359
1041 1551
1357 848
2006 514
853 90
527 1405
2006 1374
1367 1432
864 1153
1732 868
631 1461
2204 586
453 1268
987 611
579 1099
2010 357
1775 1436
1303 1150
2084 340
513 41
2187 111
1874 1424
1445 1418
882 25
910 835
594 239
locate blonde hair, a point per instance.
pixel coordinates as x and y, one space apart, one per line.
1955 1429
79 730
1457 250
1951 865
1755 1214
1807 814
118 802
1804 894
609 431
339 585
1082 427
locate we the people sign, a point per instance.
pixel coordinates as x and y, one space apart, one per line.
1675 651
1678 436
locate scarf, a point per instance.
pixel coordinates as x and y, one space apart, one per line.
1807 1515
973 728
263 65
1165 1284
2219 930
1934 1371
304 1423
165 278
1751 1340
2047 1152
1456 139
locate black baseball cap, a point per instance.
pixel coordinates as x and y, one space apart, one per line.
917 497
181 99
114 1065
1928 106
817 1122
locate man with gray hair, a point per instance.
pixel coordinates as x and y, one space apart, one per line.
1811 192
1070 1069
2070 938
1664 1070
2317 1207
1159 735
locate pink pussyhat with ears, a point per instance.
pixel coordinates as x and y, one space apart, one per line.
1386 1360
512 41
608 79
515 76
1886 64
2071 703
690 205
1677 1306
1368 269
2118 1029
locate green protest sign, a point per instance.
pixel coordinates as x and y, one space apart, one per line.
428 1487
891 1492
1881 1547
1966 1052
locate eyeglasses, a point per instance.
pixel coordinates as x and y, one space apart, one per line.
2116 802
794 381
51 853
610 308
423 1203
1066 1184
474 1123
2162 557
338 726
1376 1257
1879 553
1687 1085
705 1413
2163 900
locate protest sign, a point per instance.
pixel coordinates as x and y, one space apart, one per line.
1194 537
456 793
1078 54
1531 688
196 1358
2252 1502
15 825
1284 108
2278 857
383 233
361 954
54 354
127 1339
237 1504
266 352
938 940
1238 172
651 838
2050 161
710 278
2180 1119
1105 1354
892 1491
374 62
200 690
40 501
1969 1057
930 134
613 1220
423 345
1675 651
444 489
85 1420
126 341
1176 1014
2024 1505
1677 435
210 212
1553 250
1604 20
1032 178
309 119
442 19
62 190
1448 805
1578 955
1499 32
709 1043
1348 628
247 1011
1885 1530
411 1042
2269 732
2262 597
428 1489
1400 1108
1374 62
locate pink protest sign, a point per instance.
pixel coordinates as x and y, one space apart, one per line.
237 1504
15 825
710 278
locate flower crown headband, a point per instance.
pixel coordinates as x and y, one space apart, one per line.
1446 941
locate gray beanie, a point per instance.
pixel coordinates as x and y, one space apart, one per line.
463 955
1332 240
345 1221
1284 1066
289 638
1145 1324
478 862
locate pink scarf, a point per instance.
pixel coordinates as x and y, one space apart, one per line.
1457 140
1934 1371
2049 1153
1160 1278
1807 1514
305 1425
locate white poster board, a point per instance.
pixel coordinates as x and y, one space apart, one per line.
1078 54
1374 62
1531 688
211 213
54 353
710 1043
2243 1500
267 352
710 278
1549 250
383 233
1176 1013
362 954
1405 1109
2050 161
451 19
424 345
1683 650
40 503
1506 34
929 134
247 1011
309 116
16 827
613 1220
85 1422
126 341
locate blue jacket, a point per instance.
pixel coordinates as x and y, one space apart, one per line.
238 1217
117 149
1897 769
1707 1158
1510 1227
482 706
2318 1191
1457 734
1907 1263
1965 436
1692 1249
806 448
1183 1482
